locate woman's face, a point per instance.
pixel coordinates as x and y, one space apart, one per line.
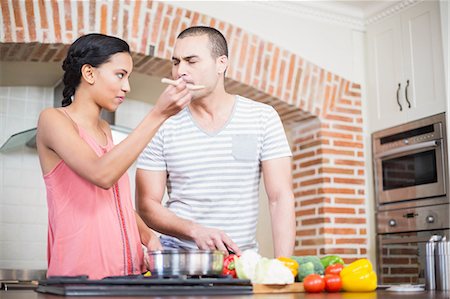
111 81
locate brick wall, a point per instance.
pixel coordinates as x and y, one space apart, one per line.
322 109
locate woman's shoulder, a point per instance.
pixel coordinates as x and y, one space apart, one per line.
50 113
52 126
53 118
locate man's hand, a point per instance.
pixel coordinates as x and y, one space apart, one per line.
208 238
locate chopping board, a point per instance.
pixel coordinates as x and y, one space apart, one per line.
296 287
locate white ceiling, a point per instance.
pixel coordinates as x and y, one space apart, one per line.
361 9
348 13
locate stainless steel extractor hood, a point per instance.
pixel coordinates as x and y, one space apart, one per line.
28 137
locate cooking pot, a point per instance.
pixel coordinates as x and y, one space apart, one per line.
185 262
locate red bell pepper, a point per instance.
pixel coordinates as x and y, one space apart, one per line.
228 266
334 269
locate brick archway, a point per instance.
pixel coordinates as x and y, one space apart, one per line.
321 109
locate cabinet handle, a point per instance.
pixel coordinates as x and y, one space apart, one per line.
398 99
406 94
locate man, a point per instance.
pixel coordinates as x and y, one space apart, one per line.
210 156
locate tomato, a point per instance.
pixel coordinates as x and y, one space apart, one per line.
314 283
333 283
334 269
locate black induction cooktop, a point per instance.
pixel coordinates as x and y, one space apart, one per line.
139 285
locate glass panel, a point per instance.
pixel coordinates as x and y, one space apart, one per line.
401 264
27 137
410 170
404 263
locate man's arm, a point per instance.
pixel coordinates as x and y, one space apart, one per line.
150 187
278 183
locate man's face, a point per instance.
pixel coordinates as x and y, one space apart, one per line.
192 61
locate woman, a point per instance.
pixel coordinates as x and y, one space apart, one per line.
93 229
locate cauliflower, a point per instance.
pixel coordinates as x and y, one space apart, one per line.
272 271
250 265
245 264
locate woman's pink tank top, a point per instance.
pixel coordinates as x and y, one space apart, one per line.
91 231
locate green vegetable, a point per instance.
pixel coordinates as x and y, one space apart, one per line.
304 270
318 267
331 260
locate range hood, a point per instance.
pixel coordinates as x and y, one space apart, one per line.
28 137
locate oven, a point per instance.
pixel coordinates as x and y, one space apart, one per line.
403 258
410 161
411 194
401 241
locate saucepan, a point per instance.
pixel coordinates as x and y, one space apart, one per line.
185 262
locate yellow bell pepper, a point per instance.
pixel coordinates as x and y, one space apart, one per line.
359 277
291 264
147 274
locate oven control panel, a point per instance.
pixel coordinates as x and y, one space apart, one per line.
420 131
413 219
411 140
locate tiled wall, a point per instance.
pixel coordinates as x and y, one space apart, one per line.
23 207
23 204
130 114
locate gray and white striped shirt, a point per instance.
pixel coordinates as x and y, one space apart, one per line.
213 178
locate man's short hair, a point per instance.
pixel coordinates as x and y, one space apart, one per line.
217 41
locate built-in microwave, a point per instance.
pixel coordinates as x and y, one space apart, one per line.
410 161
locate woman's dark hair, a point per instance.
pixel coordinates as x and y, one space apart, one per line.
93 49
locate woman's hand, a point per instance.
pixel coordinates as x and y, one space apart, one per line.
148 238
173 99
153 243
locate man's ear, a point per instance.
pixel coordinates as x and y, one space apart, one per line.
222 64
87 72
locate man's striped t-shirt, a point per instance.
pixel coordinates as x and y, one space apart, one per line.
213 178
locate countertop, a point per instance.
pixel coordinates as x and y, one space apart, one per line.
381 294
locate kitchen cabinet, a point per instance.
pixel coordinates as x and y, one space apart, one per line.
405 67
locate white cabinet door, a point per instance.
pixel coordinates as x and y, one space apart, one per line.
423 60
405 49
385 75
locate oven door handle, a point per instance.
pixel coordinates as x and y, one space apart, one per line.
405 240
408 148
